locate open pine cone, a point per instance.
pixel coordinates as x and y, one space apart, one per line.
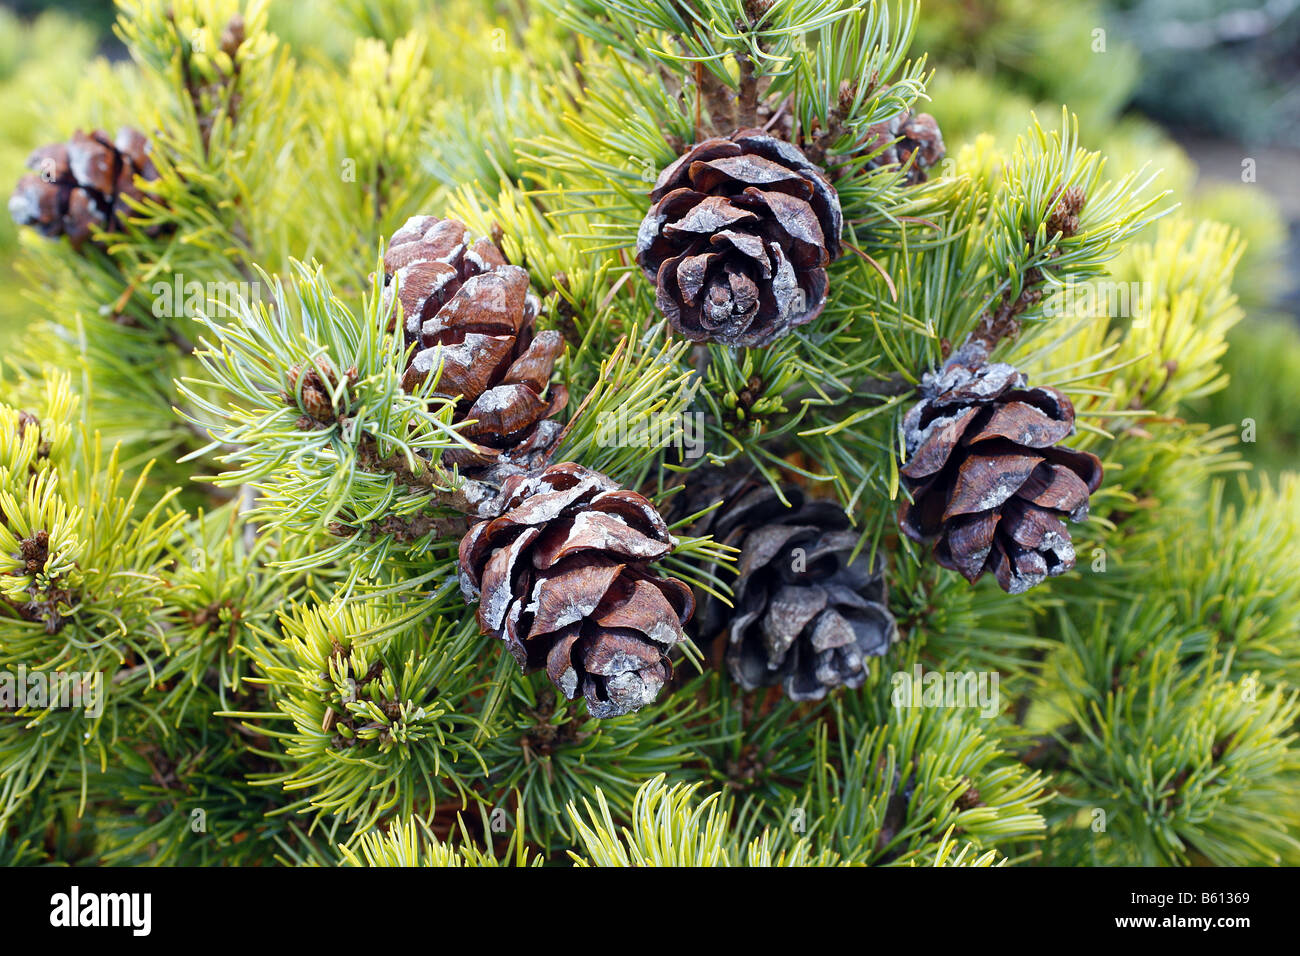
808 615
989 484
472 314
562 577
738 239
82 183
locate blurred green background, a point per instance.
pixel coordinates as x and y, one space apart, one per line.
1207 90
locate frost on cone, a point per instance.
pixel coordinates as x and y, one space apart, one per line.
989 485
471 314
562 577
808 614
82 183
738 239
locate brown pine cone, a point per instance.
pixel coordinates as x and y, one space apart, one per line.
562 576
738 240
807 615
988 483
82 183
902 136
1064 211
469 311
311 389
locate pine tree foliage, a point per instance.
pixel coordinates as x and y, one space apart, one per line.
411 843
220 497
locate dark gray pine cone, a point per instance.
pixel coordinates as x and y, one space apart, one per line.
82 184
989 484
738 239
807 614
470 312
902 137
562 576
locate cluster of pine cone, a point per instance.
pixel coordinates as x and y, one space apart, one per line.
738 240
560 561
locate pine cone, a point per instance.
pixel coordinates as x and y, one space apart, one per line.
562 577
989 485
310 390
1065 208
738 240
807 614
82 183
902 136
471 312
